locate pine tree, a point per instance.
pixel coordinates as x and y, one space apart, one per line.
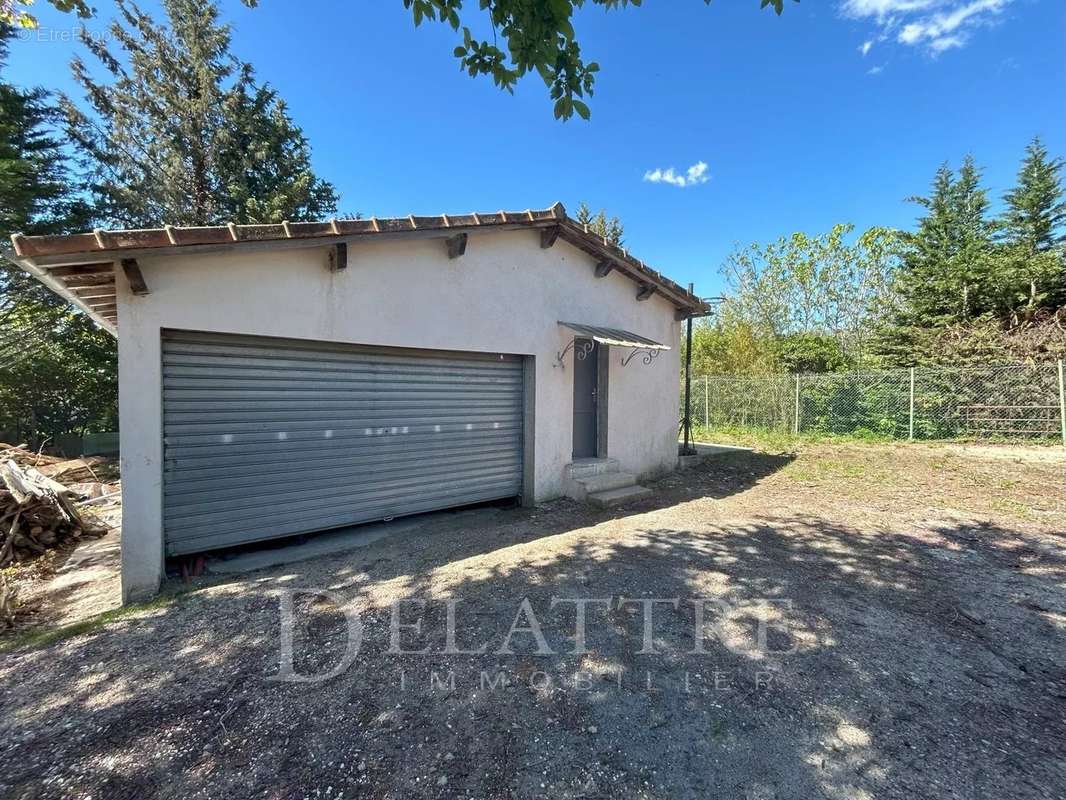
35 184
183 134
971 266
1036 211
609 228
924 284
946 271
1031 258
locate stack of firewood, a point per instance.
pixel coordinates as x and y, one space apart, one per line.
36 513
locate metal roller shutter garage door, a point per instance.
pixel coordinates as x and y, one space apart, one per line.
271 437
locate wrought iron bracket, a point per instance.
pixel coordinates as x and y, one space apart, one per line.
581 352
650 355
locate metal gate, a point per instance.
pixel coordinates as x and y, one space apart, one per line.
265 437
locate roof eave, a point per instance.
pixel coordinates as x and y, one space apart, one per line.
60 288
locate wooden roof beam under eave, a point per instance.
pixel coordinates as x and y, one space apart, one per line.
89 281
133 275
82 270
456 245
90 293
337 257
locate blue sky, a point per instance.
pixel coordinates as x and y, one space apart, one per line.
797 127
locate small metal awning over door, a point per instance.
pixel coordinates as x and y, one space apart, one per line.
614 336
611 336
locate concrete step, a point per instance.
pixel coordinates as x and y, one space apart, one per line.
616 497
581 488
587 467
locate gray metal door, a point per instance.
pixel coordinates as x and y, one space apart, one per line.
271 437
586 385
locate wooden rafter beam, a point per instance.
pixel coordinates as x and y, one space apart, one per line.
83 270
89 280
134 276
603 269
95 292
456 245
548 236
646 291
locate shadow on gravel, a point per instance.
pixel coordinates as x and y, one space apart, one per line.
833 662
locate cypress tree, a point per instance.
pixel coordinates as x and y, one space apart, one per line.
183 133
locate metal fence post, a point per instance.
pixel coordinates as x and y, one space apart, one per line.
797 424
910 429
706 402
1062 402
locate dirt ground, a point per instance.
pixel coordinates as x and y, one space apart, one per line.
881 622
72 583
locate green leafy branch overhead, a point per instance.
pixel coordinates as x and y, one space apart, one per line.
537 36
528 36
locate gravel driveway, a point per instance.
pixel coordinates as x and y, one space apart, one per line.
878 621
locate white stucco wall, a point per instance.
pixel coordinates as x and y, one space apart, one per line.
504 295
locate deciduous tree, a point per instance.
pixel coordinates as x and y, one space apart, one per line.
820 285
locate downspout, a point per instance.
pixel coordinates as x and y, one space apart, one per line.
686 450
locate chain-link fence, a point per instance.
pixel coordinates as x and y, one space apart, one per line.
997 403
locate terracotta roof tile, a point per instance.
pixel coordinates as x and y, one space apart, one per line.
50 257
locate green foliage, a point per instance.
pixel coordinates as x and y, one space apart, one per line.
35 184
183 134
17 12
821 286
609 228
728 345
972 288
1036 212
530 36
946 272
57 371
810 352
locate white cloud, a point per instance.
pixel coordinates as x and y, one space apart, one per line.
943 43
935 25
695 174
865 47
875 70
883 8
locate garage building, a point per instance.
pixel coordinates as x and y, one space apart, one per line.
281 379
